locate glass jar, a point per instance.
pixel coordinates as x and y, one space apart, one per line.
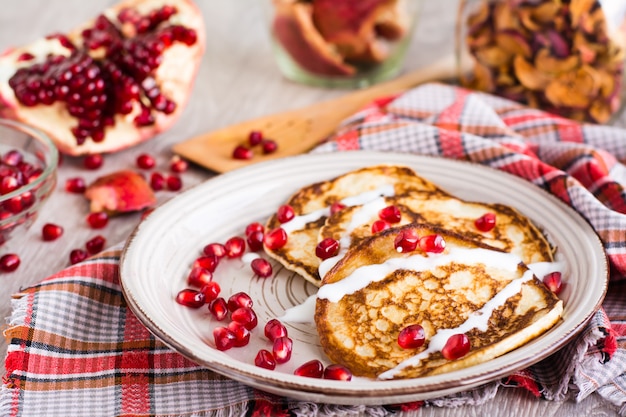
340 43
562 56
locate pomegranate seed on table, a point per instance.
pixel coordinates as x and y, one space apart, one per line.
285 213
311 369
327 248
95 244
93 161
97 220
554 282
215 249
9 262
239 300
145 161
379 226
211 291
269 146
78 255
242 335
245 316
265 359
457 346
75 185
261 267
208 262
253 228
235 247
190 298
486 222
432 243
255 137
51 231
337 372
282 348
218 308
255 241
411 337
390 214
174 183
406 240
224 338
199 277
241 152
178 165
274 329
275 239
157 181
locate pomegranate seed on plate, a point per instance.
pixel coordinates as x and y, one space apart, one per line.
190 298
253 228
245 316
432 243
269 146
255 241
411 337
93 161
239 300
235 247
390 214
406 240
51 231
554 282
274 329
275 239
282 349
241 152
457 346
75 185
9 262
311 369
78 255
95 244
486 222
224 338
261 267
327 248
146 161
255 137
337 372
211 291
199 277
215 249
178 165
208 262
174 183
285 213
242 335
265 359
157 181
336 207
97 220
218 308
379 226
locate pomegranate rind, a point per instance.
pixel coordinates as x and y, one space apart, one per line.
175 77
120 192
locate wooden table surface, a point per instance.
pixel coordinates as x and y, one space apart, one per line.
238 80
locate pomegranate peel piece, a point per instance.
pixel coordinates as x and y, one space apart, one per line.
120 192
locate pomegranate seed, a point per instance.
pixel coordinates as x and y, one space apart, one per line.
390 214
211 291
9 262
274 329
379 226
51 231
145 161
311 369
282 349
93 162
241 152
97 220
411 337
254 227
337 372
406 240
432 244
78 255
224 338
245 316
157 181
255 241
215 249
336 207
242 335
95 244
486 222
208 262
553 282
8 185
235 247
265 359
178 165
285 213
199 277
174 182
12 158
275 239
261 267
269 146
218 308
255 137
75 185
190 298
239 300
327 248
457 346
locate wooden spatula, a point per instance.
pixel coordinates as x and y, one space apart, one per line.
297 131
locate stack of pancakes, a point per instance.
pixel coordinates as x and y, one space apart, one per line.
480 285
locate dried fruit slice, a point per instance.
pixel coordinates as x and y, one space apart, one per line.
111 83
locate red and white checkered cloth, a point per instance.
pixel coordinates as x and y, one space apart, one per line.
77 350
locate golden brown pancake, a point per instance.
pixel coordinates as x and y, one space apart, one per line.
374 292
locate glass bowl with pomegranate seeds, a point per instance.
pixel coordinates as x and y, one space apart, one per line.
28 171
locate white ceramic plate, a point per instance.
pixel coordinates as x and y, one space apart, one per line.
157 258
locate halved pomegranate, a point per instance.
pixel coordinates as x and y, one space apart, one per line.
113 82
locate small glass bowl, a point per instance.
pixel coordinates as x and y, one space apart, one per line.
30 157
324 48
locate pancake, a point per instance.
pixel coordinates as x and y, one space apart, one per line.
312 205
512 233
374 292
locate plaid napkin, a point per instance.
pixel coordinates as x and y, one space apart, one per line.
76 349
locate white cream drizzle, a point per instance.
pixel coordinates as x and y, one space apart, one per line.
301 313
